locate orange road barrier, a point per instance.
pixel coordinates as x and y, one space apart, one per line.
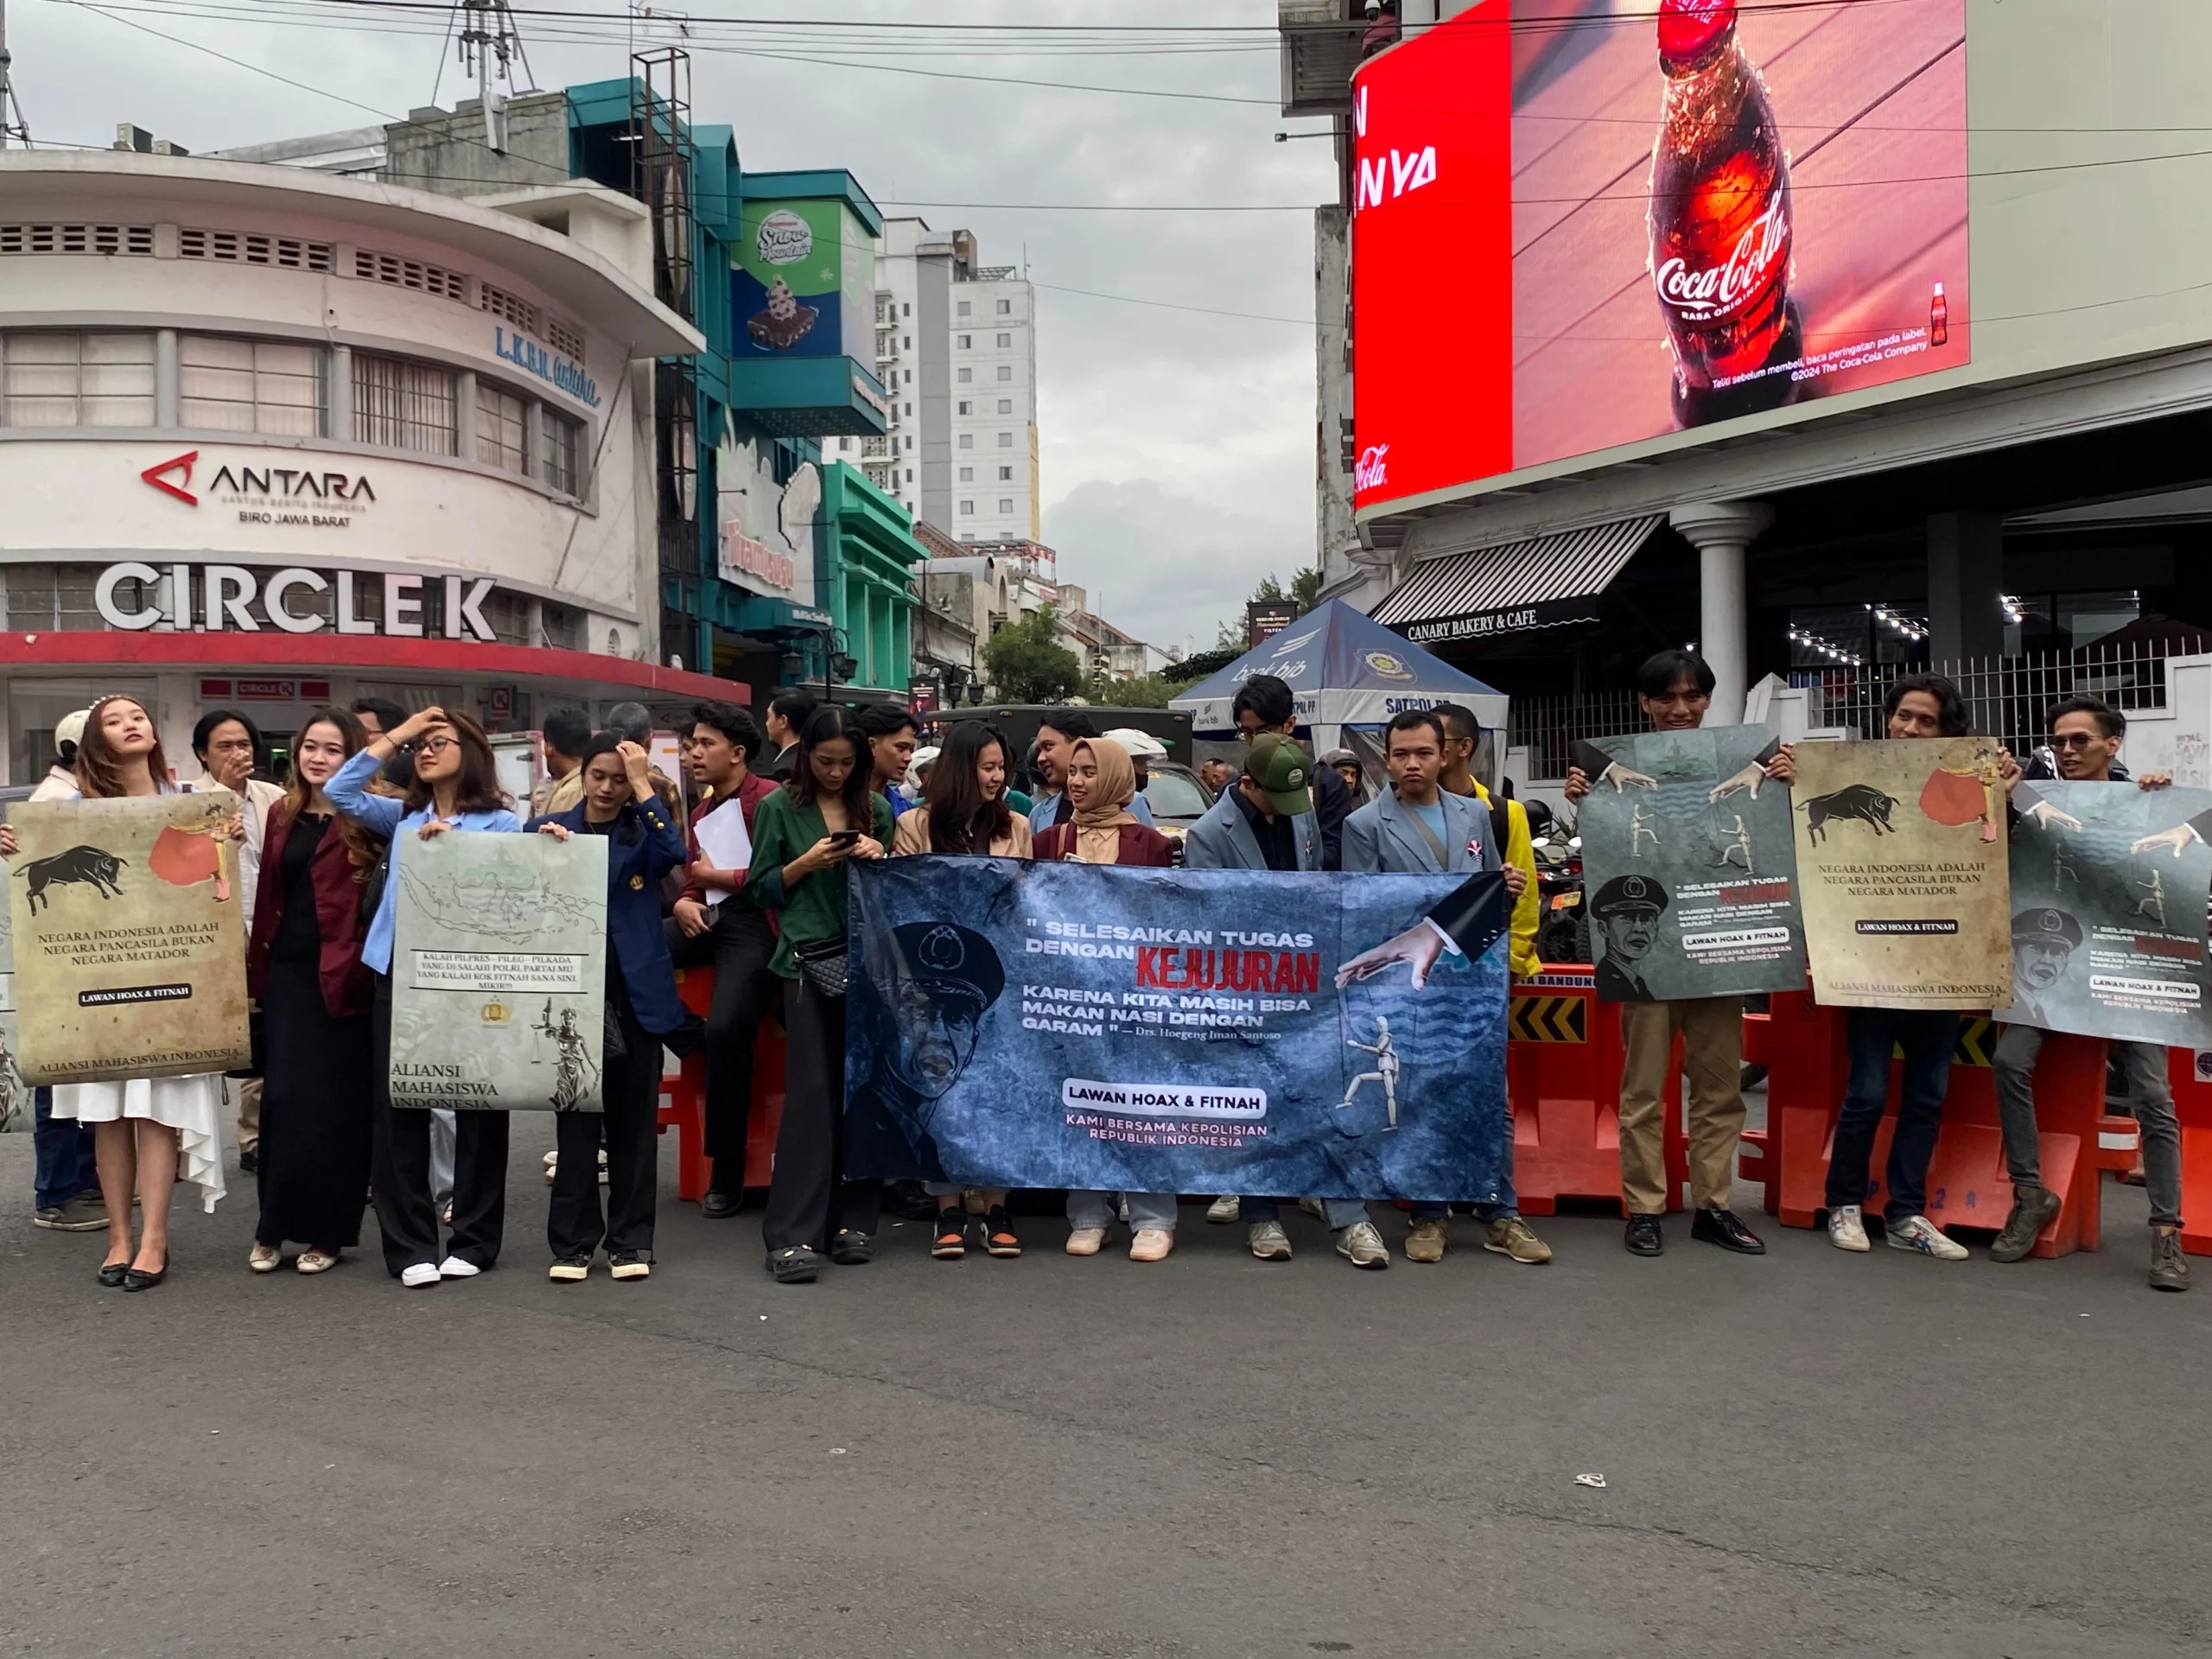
1563 1077
1808 1068
684 1098
2190 1072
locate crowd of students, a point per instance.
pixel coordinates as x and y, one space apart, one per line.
820 787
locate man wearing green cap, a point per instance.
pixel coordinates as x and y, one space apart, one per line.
1265 821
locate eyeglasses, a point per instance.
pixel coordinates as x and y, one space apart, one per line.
435 744
2074 740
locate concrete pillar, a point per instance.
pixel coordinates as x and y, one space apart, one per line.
167 383
1722 531
1965 576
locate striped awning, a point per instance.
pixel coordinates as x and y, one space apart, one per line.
1517 576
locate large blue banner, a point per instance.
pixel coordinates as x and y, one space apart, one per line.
1050 1025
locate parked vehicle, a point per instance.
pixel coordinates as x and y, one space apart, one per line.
1563 923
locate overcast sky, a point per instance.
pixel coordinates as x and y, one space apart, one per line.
1177 446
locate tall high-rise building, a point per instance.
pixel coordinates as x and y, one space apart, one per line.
957 345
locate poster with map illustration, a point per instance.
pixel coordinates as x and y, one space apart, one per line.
1687 867
499 972
128 945
1901 845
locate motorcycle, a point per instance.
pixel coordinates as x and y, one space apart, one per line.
1563 924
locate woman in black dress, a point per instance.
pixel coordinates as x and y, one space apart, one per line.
304 967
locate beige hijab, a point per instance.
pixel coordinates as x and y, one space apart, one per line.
1098 826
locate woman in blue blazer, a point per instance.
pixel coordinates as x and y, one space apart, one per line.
643 846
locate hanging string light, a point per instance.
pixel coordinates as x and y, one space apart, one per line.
1829 649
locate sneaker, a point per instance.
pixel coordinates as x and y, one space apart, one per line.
1086 1240
1151 1244
1426 1242
1918 1233
2032 1209
1361 1246
999 1238
2168 1270
951 1240
1223 1210
78 1215
1514 1239
419 1275
1312 1207
1847 1228
454 1267
570 1270
625 1265
1268 1241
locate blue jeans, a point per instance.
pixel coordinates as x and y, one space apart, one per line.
1338 1213
1145 1210
64 1151
1928 1037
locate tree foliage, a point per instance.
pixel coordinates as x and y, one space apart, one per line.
1200 663
1117 691
1305 593
1026 661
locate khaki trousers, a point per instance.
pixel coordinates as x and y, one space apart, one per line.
248 1093
1711 1030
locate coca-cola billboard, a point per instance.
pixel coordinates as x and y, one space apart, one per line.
1578 224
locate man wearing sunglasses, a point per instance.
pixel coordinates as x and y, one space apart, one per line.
2085 738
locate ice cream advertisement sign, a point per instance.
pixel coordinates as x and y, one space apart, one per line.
801 281
1621 223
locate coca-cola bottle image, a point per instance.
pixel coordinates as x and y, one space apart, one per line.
1939 318
1720 221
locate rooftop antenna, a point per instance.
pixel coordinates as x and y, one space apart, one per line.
12 125
489 45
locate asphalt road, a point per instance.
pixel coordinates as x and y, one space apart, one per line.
1807 1454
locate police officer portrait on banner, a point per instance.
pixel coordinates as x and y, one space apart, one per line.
1624 914
2044 940
936 982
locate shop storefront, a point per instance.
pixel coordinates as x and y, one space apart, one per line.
271 437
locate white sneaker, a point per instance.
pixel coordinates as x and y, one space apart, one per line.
1918 1233
1223 1210
1086 1240
421 1274
1847 1228
1362 1245
454 1267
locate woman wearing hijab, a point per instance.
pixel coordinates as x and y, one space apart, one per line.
1101 782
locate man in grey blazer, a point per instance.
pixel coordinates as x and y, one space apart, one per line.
1416 827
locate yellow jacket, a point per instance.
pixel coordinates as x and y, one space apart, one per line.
1520 848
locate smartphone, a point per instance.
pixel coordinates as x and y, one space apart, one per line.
843 838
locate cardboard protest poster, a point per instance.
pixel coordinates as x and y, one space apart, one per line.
2109 884
128 938
1902 852
1686 860
16 1107
499 971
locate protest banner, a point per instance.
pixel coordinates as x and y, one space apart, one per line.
1688 866
1043 1025
1902 855
16 1105
2109 887
128 941
499 972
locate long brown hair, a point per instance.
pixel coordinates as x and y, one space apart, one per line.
99 768
961 819
361 847
478 789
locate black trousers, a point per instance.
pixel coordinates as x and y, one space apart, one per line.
809 1199
737 948
630 1098
399 1168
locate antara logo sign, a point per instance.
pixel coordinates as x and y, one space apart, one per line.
268 495
1391 174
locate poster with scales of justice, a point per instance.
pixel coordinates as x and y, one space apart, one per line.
499 972
128 939
1687 868
1902 851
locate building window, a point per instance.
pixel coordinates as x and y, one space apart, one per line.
1006 504
1006 405
67 379
561 449
403 406
909 409
966 341
1006 440
961 308
249 385
967 475
910 342
908 310
1006 372
1005 341
844 446
1005 475
910 443
966 375
967 408
1006 308
910 378
501 440
910 474
968 509
967 440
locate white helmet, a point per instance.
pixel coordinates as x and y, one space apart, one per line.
1142 745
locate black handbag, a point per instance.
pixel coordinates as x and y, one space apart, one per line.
824 963
373 887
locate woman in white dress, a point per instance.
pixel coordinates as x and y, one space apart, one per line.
145 1130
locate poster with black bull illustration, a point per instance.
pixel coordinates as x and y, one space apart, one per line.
1901 846
128 941
1687 862
2109 884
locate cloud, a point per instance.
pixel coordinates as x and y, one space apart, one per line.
1167 563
